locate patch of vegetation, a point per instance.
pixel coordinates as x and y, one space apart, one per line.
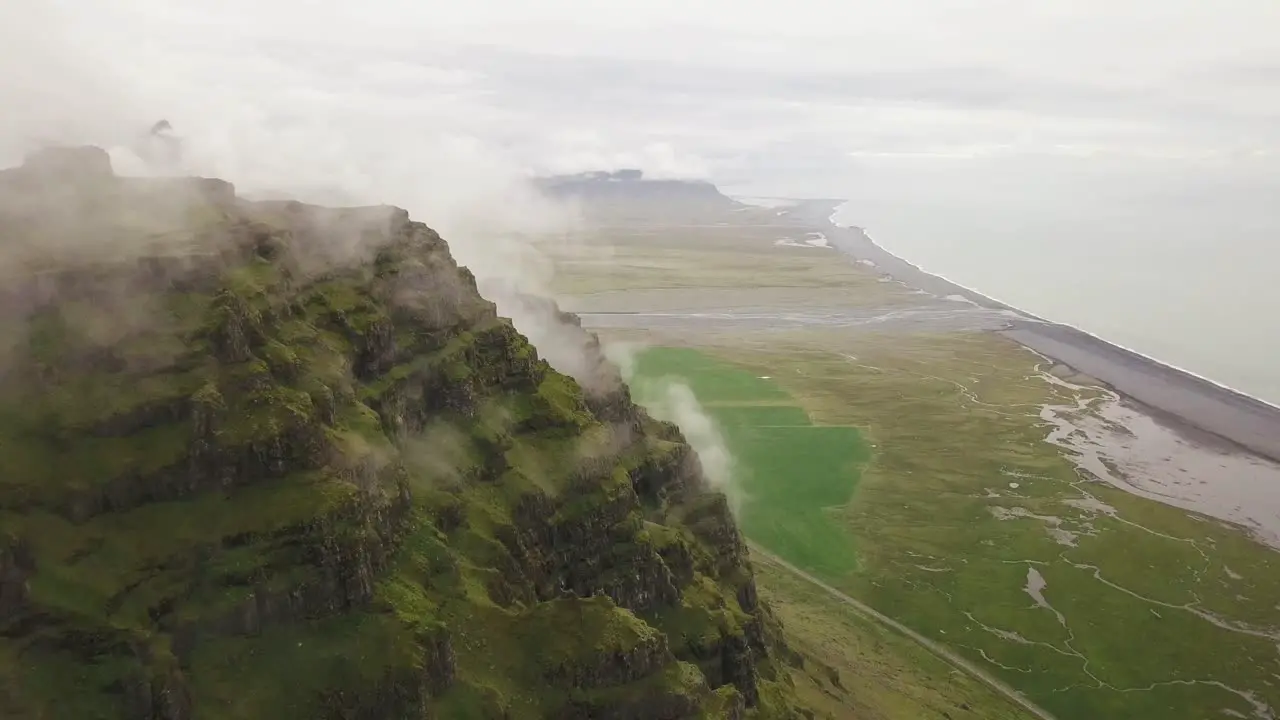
791 473
711 380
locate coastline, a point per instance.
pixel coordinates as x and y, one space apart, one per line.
1023 516
1193 405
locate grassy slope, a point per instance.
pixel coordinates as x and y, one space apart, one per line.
954 419
287 495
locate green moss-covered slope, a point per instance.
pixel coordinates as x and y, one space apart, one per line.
266 460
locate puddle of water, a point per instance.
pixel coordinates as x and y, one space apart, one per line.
1053 524
1035 587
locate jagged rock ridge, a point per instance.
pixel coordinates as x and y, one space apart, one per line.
270 460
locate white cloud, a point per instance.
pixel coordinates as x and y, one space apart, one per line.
578 152
1134 123
361 93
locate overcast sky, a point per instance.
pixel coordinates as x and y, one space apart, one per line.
1088 160
723 89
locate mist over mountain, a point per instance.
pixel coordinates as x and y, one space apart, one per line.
267 459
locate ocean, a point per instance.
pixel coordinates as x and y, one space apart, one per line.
1177 261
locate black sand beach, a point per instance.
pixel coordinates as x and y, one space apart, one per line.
1179 399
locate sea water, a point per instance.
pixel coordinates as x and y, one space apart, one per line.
1177 260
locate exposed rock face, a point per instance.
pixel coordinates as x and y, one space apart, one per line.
280 461
16 566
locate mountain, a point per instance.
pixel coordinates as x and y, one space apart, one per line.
628 196
274 460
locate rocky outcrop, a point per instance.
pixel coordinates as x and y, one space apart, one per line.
285 461
16 567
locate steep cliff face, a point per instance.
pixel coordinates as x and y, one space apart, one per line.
268 460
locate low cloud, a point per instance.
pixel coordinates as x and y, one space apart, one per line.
445 110
679 405
672 400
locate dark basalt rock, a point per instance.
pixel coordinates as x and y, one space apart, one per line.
17 565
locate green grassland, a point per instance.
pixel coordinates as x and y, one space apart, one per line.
724 258
791 472
936 500
855 667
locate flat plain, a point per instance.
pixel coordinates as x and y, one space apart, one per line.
891 444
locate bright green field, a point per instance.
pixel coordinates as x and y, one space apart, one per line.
792 476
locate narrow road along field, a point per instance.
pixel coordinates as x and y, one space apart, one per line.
866 611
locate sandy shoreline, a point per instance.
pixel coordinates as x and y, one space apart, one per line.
1188 403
